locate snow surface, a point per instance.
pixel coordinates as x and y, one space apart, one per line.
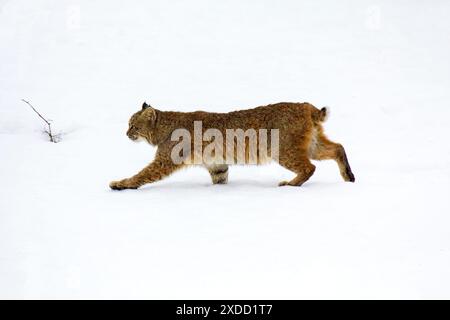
382 66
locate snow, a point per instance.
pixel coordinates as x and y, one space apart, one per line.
381 66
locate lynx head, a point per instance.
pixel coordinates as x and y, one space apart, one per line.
142 123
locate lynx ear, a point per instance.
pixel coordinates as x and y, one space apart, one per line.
145 106
149 113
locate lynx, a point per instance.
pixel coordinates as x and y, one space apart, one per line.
301 139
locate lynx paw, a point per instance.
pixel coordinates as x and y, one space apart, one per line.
289 183
121 185
351 176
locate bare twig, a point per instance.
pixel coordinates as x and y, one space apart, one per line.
48 122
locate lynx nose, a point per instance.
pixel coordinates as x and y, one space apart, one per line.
131 136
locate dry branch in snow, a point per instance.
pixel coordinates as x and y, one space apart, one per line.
53 138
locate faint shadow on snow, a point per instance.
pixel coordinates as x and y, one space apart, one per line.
246 185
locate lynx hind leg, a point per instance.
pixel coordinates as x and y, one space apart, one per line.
324 149
219 173
296 160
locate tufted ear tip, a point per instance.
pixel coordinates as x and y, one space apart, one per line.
145 106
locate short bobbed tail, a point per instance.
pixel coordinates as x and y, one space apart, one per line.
324 114
320 115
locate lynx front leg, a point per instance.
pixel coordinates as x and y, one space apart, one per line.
219 173
155 171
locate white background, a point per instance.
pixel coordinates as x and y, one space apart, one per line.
383 68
